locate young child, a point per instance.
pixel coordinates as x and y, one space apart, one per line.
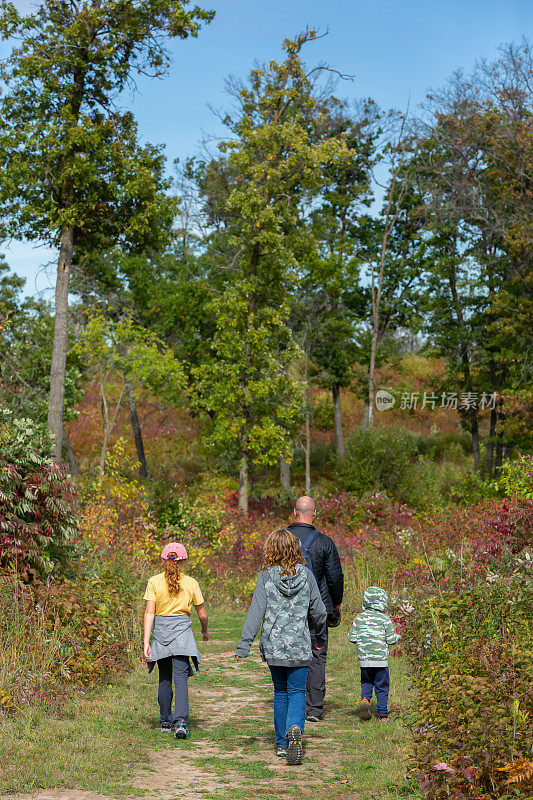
373 633
169 597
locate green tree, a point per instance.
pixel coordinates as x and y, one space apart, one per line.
74 173
26 340
271 168
475 162
119 351
329 300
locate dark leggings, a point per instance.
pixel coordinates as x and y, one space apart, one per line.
179 665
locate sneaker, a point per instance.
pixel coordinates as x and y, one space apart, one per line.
181 731
166 727
294 750
384 719
312 718
364 709
281 752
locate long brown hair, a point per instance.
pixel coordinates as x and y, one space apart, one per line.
283 548
173 573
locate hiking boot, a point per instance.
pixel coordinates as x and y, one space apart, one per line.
294 750
181 731
281 752
364 709
312 718
166 727
384 719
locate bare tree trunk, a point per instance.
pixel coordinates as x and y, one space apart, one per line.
307 452
285 475
489 456
243 484
337 413
136 428
474 427
465 358
59 352
364 420
371 380
108 428
71 456
391 215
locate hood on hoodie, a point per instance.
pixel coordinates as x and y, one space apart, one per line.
376 599
289 585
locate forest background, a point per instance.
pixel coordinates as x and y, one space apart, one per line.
333 299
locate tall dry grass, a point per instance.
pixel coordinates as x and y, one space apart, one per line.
368 568
30 647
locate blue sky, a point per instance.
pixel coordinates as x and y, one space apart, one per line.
397 49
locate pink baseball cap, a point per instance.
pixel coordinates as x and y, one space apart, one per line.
175 551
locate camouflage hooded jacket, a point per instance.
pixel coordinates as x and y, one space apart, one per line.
281 606
372 631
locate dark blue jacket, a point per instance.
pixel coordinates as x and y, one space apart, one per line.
326 564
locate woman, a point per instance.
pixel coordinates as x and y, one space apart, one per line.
285 596
169 597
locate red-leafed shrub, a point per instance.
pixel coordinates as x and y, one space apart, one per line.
37 518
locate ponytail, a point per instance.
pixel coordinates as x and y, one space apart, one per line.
173 571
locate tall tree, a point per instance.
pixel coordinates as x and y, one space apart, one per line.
329 298
476 159
273 166
74 173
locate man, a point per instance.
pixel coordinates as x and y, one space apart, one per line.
327 568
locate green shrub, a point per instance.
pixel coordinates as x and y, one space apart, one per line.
446 446
321 455
421 486
378 459
323 413
517 477
387 460
37 518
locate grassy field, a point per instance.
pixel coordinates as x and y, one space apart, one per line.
109 742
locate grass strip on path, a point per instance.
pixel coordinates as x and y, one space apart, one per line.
109 742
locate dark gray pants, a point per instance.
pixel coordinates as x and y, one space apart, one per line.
316 680
179 665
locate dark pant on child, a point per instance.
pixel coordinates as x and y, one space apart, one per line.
376 678
289 700
316 679
179 665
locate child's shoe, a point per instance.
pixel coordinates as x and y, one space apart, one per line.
181 731
294 750
384 719
364 709
281 752
166 727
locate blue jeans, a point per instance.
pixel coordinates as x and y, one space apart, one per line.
289 700
376 678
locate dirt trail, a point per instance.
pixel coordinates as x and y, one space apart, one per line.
231 751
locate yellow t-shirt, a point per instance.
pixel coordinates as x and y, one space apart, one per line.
167 605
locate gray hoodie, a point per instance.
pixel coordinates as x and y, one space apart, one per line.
281 607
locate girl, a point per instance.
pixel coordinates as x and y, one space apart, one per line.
285 596
169 597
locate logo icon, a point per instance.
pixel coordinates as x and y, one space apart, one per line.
384 400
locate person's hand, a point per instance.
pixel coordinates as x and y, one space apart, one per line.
205 636
319 646
148 652
336 608
239 658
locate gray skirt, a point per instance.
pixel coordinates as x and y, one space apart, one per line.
173 636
